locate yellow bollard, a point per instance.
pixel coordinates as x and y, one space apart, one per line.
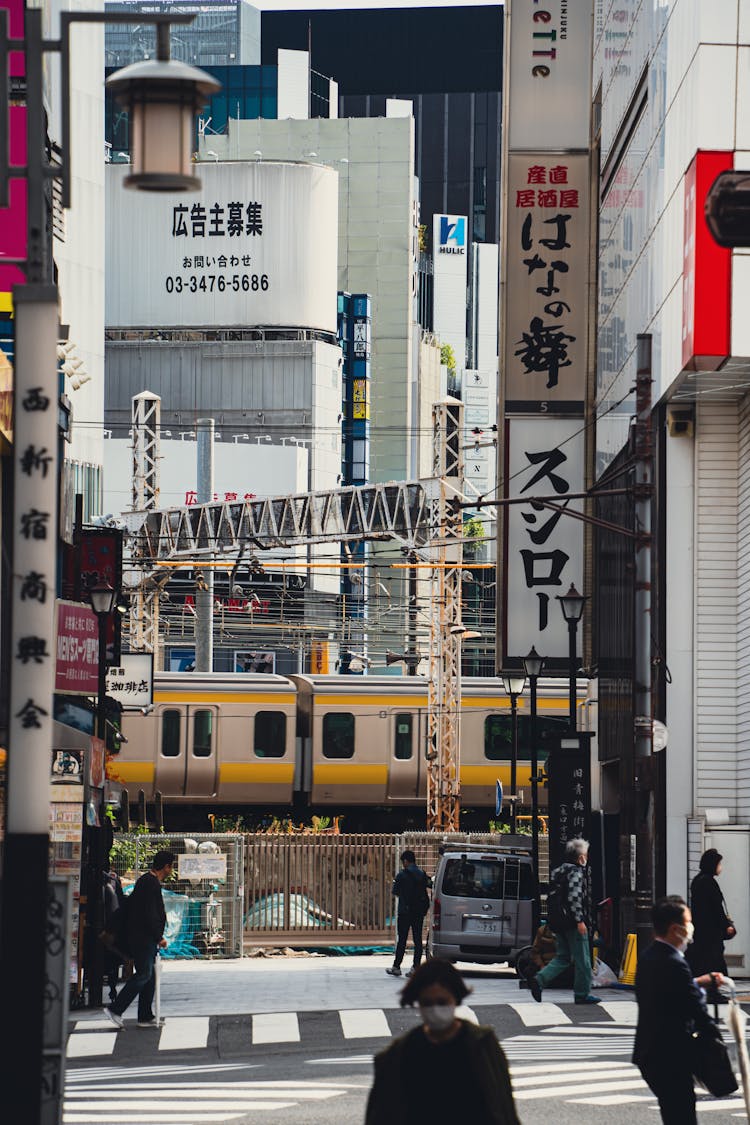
629 960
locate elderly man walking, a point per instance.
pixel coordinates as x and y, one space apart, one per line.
569 916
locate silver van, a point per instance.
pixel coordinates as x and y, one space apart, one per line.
482 902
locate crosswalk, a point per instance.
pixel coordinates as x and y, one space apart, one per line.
163 1095
93 1038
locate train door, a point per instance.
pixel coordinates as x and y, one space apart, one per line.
187 752
404 757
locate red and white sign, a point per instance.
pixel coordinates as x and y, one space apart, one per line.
706 272
76 650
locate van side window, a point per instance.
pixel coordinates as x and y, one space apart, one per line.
338 735
402 740
496 738
270 734
170 734
484 877
203 728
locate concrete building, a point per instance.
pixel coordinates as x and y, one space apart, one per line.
670 88
223 33
377 240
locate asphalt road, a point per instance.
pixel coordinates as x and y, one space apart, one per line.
572 1067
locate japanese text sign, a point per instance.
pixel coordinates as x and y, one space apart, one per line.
548 73
131 683
546 281
569 773
77 649
544 546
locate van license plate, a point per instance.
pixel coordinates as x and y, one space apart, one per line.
482 926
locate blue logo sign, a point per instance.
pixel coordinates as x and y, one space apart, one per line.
452 234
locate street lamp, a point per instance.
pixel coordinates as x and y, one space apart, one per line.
514 682
572 605
533 664
29 680
102 598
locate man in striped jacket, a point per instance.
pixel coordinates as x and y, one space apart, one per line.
570 921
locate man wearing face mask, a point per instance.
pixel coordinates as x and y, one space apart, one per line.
671 1006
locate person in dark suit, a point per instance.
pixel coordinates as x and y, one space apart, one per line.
671 1005
146 919
713 926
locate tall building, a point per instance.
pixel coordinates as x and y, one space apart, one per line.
223 33
670 96
447 63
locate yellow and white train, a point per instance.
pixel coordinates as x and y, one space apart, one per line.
243 743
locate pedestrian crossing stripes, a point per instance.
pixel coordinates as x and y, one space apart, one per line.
94 1037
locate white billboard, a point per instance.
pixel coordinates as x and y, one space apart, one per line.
548 74
256 246
544 547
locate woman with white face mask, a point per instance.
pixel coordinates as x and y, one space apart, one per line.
445 1070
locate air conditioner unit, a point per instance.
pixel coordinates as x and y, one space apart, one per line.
680 421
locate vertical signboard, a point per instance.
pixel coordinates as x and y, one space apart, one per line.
546 305
569 774
706 272
544 546
545 313
36 480
450 266
548 73
55 999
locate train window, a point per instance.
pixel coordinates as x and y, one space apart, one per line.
402 742
338 735
203 728
170 734
496 738
270 734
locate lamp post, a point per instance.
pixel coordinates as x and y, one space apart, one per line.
514 683
29 676
102 597
533 664
572 605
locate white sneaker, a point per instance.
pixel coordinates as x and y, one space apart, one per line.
151 1023
118 1021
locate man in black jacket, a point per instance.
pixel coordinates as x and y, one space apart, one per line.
410 887
671 1006
146 919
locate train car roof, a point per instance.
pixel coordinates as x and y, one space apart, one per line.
223 681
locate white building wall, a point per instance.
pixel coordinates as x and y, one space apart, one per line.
716 467
375 161
743 614
293 87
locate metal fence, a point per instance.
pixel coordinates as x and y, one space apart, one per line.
233 892
204 902
319 890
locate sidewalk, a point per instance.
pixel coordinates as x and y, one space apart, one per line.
308 984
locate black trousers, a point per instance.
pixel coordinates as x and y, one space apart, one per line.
406 921
673 1086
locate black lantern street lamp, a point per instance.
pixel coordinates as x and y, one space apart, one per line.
102 602
514 682
572 605
533 664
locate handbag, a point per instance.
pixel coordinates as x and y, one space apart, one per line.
710 1063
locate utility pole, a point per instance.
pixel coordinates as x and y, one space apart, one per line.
146 422
444 687
204 594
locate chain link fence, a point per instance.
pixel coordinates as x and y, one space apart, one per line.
203 899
